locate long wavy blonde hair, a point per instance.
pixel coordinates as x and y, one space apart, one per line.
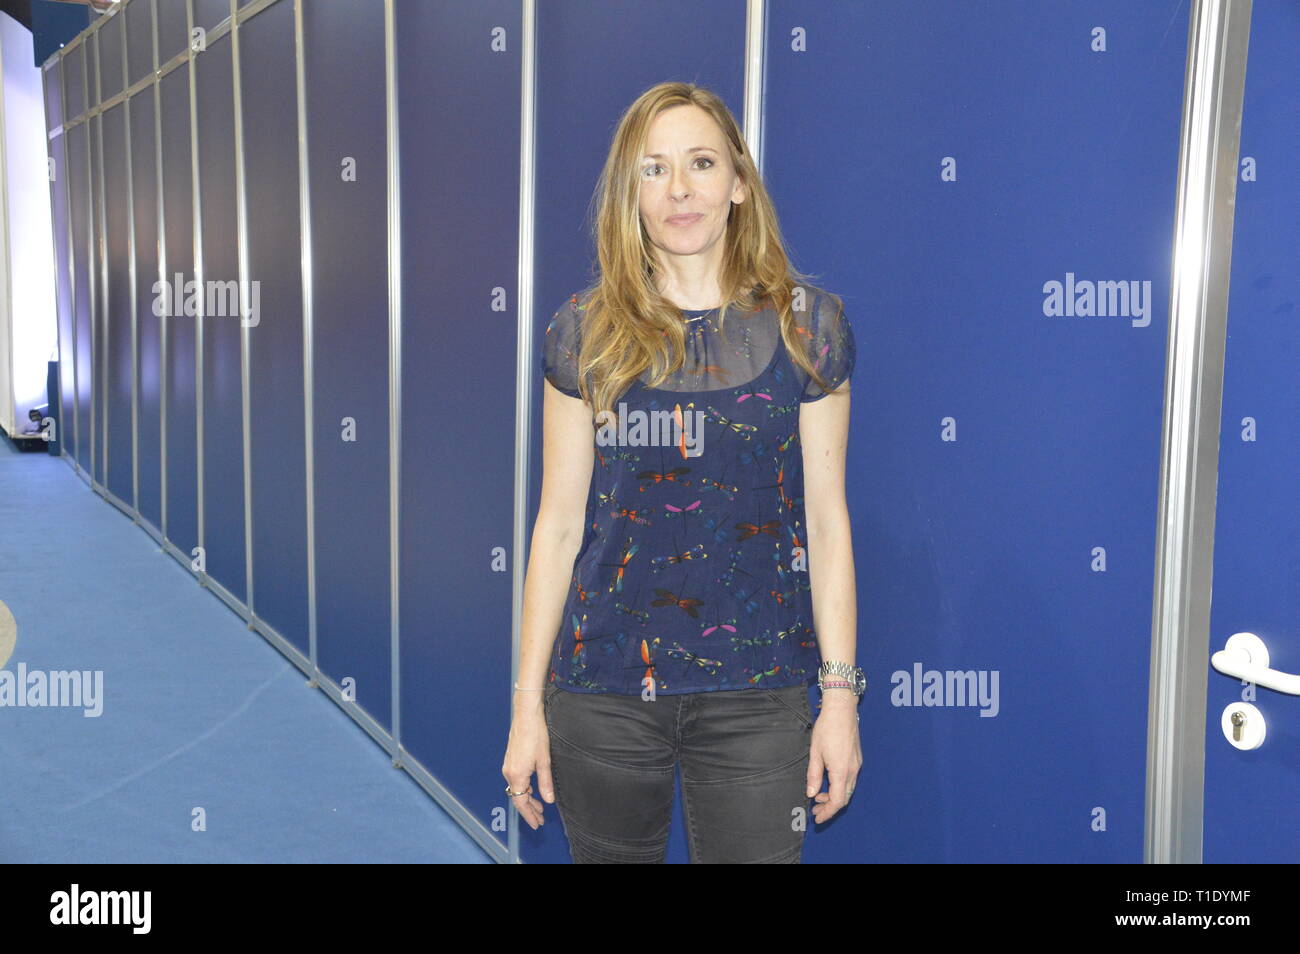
628 326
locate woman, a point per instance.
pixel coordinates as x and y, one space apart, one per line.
692 517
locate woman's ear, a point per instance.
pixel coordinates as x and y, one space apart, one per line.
741 192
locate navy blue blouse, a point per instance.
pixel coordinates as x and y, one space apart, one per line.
693 567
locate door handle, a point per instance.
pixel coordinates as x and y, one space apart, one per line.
1246 657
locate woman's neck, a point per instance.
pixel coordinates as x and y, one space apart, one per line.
694 300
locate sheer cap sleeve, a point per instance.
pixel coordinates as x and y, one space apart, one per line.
560 348
831 345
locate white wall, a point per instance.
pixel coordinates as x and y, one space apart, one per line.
28 334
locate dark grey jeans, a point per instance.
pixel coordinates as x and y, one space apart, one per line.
743 755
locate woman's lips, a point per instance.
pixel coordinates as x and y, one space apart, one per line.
690 219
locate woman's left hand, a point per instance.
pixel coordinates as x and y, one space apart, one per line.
836 750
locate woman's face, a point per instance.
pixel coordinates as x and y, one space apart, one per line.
687 182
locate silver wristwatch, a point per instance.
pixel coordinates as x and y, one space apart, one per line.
842 669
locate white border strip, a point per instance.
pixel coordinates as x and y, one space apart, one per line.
394 369
132 278
200 322
1218 34
523 361
755 76
245 362
308 331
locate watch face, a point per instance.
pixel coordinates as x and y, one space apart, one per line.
859 682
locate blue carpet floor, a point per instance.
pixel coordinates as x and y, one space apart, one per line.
201 716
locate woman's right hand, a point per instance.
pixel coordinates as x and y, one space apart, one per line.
528 750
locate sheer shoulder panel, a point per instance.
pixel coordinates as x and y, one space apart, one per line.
560 348
720 356
830 342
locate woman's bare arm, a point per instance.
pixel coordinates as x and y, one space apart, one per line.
824 435
836 748
568 436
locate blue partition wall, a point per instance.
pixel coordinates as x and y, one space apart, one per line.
275 356
1003 506
458 69
114 298
116 320
212 180
83 370
75 348
59 210
1250 814
223 395
73 68
172 26
148 326
138 26
110 41
180 404
208 13
343 61
52 91
98 274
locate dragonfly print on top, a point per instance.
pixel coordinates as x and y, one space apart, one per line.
693 568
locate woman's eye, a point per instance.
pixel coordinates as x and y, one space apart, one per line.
650 169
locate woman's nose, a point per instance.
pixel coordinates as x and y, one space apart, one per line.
678 185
